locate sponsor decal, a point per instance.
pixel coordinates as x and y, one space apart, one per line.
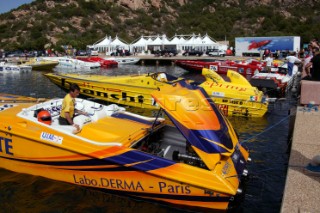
214 68
178 189
51 138
226 168
130 185
6 145
223 108
253 98
218 94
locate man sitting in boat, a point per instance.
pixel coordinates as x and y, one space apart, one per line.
68 107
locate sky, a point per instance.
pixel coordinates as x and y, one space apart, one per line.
7 5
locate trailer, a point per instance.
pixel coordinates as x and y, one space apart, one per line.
255 46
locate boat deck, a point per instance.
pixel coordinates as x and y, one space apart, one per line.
104 126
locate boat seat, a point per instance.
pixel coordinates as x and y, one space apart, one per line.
55 121
101 112
81 120
96 112
65 128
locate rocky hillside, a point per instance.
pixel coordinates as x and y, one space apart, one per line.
81 22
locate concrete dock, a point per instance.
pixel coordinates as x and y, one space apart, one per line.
302 189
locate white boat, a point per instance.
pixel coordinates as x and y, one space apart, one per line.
71 63
123 60
275 82
12 68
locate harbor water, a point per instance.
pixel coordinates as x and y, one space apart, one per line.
267 138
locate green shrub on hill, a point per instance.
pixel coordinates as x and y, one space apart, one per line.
218 18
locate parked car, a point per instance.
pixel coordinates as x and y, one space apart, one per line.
17 53
216 52
81 53
193 52
166 52
121 53
209 50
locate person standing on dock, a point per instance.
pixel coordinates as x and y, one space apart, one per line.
291 59
314 64
312 67
269 62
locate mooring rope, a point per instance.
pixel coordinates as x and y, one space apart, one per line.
271 127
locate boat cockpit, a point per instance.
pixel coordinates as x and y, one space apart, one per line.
100 119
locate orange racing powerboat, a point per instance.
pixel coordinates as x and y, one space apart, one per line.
199 162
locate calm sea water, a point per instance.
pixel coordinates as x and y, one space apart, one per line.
266 138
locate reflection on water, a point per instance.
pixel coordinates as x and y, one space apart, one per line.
266 138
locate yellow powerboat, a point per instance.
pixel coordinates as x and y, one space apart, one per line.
135 90
10 98
234 97
202 165
41 64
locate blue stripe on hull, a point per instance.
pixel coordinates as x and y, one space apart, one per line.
139 160
133 118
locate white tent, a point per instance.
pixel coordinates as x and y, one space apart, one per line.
102 44
178 42
207 40
209 43
118 43
161 43
140 45
149 40
182 42
165 41
157 41
195 42
156 44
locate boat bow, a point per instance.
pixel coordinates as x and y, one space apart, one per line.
199 121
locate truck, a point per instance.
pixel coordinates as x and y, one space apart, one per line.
255 46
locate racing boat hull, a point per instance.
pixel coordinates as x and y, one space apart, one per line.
124 60
235 97
104 63
11 68
147 159
41 64
135 90
245 68
275 84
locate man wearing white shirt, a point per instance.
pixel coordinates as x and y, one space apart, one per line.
269 62
291 60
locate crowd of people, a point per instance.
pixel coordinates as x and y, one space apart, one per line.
309 58
311 65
